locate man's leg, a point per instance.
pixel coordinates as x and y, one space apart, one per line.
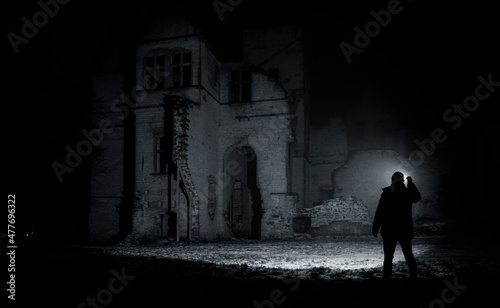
389 248
410 259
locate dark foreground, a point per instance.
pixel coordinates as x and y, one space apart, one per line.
132 276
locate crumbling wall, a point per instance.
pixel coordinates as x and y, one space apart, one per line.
265 127
280 51
328 151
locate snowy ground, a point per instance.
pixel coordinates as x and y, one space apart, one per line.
319 272
327 258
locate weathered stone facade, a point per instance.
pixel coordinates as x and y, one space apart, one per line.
204 148
190 122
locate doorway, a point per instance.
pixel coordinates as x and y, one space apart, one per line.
245 204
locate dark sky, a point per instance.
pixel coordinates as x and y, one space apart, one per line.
426 59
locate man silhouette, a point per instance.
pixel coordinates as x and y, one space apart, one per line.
394 219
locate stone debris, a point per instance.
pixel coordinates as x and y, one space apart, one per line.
346 209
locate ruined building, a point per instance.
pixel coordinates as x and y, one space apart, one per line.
203 148
218 148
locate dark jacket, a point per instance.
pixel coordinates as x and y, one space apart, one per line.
394 211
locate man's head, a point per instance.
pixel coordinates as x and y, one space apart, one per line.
397 177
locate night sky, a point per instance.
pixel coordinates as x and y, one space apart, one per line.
425 60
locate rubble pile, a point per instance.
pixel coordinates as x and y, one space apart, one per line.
346 209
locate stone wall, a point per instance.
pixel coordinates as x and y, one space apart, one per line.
106 174
277 220
265 127
328 151
203 160
103 219
281 48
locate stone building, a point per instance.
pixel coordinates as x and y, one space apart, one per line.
205 148
201 148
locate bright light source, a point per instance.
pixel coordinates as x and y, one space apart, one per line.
388 173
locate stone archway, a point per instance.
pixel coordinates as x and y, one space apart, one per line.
245 201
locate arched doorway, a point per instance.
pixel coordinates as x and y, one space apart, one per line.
245 203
